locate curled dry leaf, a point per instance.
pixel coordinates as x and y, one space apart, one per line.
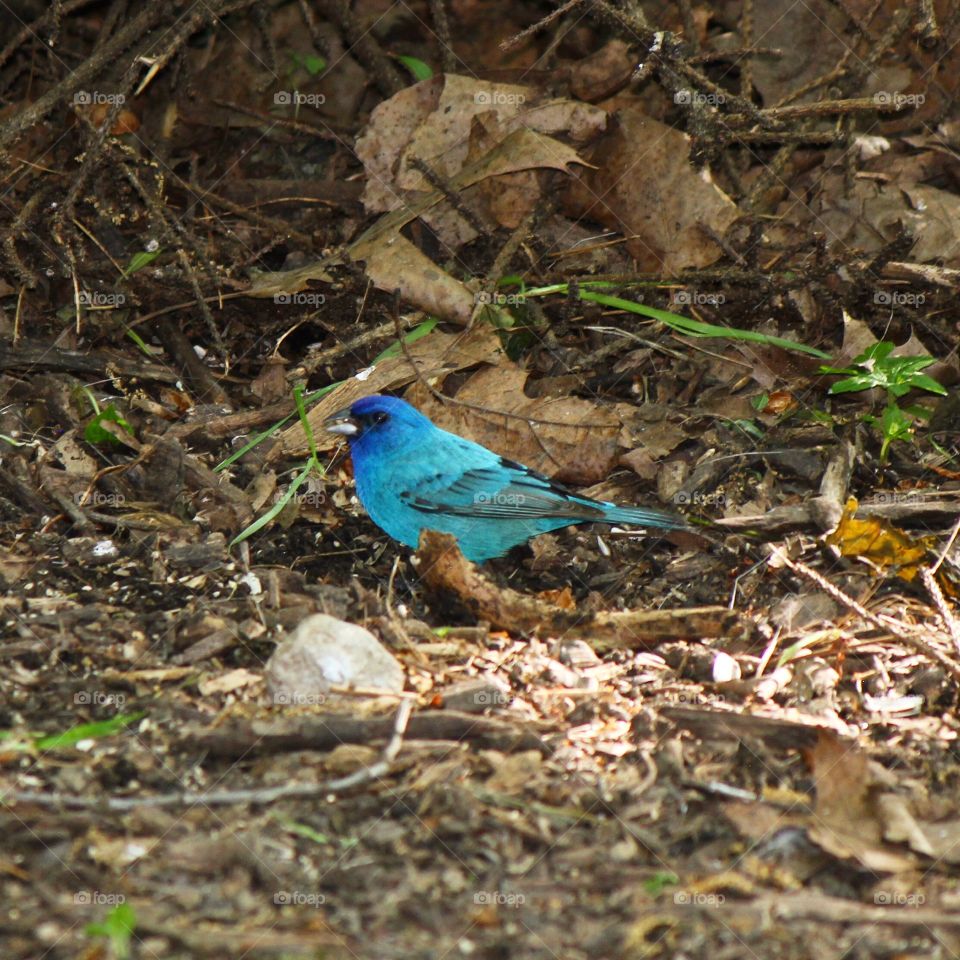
645 187
394 263
433 122
280 282
849 819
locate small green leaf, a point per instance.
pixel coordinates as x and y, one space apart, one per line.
418 69
662 879
94 432
853 384
86 731
923 382
313 64
421 330
140 342
140 260
750 428
117 926
879 351
760 402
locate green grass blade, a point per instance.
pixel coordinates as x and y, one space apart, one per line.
263 520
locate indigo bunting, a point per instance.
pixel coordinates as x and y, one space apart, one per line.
412 476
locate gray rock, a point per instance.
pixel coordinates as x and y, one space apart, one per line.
323 651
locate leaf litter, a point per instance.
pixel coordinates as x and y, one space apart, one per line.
604 745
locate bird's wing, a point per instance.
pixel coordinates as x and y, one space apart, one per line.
504 490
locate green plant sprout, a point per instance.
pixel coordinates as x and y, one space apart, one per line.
117 926
313 463
94 432
876 368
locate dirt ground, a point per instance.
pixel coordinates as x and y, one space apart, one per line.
702 257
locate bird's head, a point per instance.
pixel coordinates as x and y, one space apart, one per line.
379 422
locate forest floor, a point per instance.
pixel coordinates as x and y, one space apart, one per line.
703 257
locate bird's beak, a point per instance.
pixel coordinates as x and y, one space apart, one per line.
342 422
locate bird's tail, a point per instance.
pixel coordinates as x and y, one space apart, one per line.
645 517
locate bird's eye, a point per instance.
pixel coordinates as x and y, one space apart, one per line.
380 417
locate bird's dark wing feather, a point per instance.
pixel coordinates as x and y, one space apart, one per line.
506 491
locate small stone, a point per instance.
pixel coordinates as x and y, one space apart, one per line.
324 651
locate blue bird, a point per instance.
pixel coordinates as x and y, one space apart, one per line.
413 476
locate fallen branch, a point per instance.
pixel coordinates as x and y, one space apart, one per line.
445 570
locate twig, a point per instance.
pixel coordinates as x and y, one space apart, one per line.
441 24
947 547
132 31
887 624
255 795
539 25
933 588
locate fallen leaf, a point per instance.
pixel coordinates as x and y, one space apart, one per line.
431 123
279 282
847 819
394 263
645 187
881 543
229 681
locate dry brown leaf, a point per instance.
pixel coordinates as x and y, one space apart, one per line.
561 598
810 41
603 72
848 820
283 282
646 188
229 681
869 214
394 263
432 121
513 773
